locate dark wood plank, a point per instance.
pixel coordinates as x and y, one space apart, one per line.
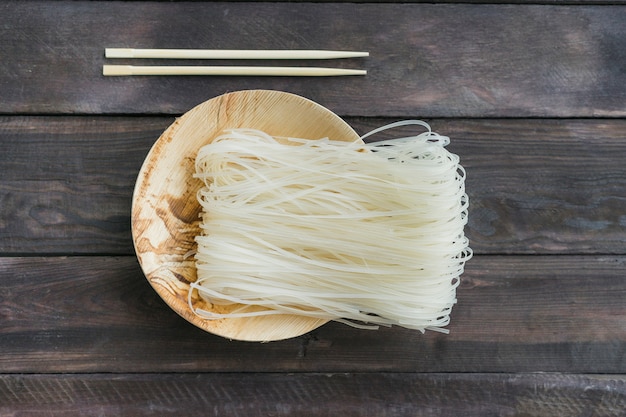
67 184
444 395
507 61
514 314
536 186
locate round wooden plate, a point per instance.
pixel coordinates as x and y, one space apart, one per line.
165 211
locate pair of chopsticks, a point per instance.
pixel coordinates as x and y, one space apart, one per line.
121 70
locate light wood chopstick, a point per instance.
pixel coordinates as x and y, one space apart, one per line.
122 70
229 54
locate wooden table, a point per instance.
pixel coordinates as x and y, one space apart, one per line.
534 99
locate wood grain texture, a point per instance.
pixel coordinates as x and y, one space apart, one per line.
443 395
533 96
535 186
67 183
98 314
507 61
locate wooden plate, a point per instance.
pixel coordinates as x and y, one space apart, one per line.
165 210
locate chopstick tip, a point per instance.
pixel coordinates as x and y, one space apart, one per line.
116 70
119 52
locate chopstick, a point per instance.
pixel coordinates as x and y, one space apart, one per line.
229 54
122 70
